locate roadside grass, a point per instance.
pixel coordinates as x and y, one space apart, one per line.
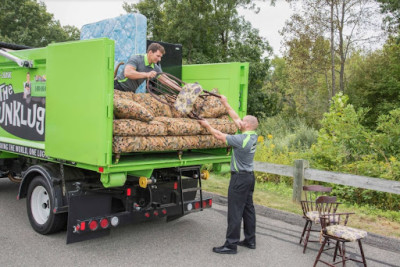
279 196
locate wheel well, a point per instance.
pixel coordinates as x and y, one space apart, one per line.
28 176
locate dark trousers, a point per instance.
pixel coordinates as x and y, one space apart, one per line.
117 86
240 206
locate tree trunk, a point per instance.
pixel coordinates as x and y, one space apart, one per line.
333 51
341 48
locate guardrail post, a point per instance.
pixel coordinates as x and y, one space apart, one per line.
298 178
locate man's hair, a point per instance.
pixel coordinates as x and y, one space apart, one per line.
154 47
252 121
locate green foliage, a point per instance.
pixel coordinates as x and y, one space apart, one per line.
342 144
392 9
307 66
342 138
374 82
26 22
284 141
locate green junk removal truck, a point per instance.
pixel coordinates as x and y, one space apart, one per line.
56 137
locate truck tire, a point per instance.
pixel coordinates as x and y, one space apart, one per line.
40 208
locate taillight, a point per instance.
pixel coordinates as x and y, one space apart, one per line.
204 204
83 226
210 202
147 215
197 205
164 211
93 225
175 185
128 192
104 223
155 213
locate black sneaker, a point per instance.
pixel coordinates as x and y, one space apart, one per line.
244 243
224 250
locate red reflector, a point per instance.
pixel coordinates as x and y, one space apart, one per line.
104 223
101 169
128 192
210 202
147 215
93 225
197 205
83 226
175 185
164 211
155 213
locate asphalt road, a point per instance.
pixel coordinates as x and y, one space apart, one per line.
184 242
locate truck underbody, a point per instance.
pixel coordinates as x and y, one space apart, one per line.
59 196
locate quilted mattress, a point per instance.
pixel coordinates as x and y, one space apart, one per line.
128 31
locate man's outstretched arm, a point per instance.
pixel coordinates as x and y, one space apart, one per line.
235 117
217 134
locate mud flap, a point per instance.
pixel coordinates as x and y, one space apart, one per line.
83 207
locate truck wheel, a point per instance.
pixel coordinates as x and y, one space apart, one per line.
40 208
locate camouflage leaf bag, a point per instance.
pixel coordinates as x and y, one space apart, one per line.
128 109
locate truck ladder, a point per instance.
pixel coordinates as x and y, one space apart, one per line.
198 188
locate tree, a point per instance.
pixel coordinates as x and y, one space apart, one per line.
392 9
211 32
348 23
27 22
374 81
307 61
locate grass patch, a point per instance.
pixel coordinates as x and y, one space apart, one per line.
279 196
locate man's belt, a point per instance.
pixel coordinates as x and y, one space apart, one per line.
242 172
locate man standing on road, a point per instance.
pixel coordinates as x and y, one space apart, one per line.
241 186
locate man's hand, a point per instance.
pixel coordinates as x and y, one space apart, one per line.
151 74
204 123
224 100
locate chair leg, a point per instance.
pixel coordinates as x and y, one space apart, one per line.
320 251
336 249
307 236
304 230
362 253
344 254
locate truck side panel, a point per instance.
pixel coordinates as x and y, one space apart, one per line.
80 101
22 114
231 80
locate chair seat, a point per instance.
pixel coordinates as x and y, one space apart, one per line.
314 217
345 232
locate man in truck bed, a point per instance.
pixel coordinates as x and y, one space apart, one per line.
241 186
139 68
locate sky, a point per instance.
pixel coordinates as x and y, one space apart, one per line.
78 13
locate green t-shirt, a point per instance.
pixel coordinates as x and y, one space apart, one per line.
141 64
244 147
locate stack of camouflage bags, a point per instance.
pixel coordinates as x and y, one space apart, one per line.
143 123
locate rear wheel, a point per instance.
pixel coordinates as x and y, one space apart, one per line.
40 208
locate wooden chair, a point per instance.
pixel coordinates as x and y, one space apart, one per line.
310 212
334 228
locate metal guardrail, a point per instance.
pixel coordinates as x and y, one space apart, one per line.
301 172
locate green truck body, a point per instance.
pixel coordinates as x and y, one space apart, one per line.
60 113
